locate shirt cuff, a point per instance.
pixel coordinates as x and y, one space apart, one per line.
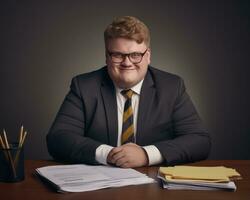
101 153
154 155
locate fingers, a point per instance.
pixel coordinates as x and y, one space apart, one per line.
121 162
118 156
114 152
122 156
127 156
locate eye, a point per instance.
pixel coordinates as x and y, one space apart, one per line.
135 55
117 55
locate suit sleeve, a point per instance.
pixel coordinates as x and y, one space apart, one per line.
66 139
191 141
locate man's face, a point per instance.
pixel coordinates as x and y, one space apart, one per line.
126 74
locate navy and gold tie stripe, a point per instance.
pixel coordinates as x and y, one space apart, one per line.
127 125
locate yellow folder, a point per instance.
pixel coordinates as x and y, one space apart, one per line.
195 173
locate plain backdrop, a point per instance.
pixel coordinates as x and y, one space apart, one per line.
45 43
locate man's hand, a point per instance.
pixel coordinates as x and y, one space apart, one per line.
128 155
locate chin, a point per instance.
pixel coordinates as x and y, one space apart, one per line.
127 84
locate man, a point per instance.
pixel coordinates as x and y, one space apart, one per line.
128 114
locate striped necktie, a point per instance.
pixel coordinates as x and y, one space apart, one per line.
127 125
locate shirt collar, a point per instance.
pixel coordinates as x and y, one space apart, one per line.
136 88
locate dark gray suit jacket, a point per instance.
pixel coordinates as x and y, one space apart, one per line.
166 119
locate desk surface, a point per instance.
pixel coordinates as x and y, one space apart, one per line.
33 188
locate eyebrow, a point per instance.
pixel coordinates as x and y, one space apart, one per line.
123 53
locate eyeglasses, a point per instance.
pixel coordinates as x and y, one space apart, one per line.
134 57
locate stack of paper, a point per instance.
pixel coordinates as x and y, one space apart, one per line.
80 178
198 178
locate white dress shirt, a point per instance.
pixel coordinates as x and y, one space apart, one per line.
154 155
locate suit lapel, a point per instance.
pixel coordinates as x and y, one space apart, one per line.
145 106
110 106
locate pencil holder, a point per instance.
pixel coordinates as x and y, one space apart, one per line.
12 163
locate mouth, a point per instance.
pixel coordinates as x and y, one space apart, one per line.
126 68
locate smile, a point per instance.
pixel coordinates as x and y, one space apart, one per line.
126 68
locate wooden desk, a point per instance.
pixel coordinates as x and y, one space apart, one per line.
33 189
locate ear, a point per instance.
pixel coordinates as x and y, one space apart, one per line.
106 57
149 55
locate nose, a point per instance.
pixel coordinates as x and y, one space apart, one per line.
126 61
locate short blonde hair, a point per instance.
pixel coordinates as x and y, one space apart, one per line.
128 27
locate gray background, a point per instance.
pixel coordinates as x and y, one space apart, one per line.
45 43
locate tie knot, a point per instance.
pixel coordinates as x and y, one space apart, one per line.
127 93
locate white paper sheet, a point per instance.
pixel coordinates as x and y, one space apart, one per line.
189 185
79 178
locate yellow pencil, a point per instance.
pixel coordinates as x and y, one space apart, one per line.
1 141
23 139
6 140
9 154
20 137
20 148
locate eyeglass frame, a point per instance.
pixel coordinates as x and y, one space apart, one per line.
124 55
